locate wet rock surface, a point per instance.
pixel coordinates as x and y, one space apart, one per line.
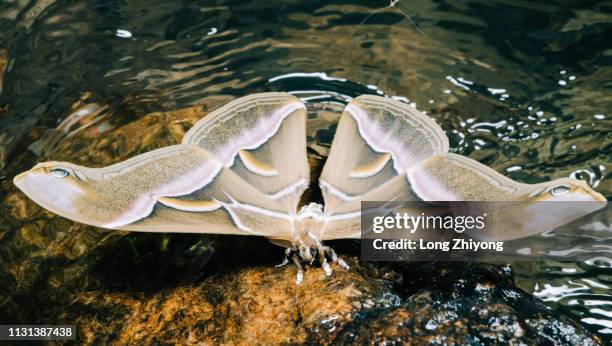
367 305
137 288
469 304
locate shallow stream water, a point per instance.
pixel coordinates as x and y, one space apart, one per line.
522 86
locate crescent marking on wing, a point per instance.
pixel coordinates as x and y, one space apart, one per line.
255 166
371 168
379 140
191 206
251 139
144 206
360 117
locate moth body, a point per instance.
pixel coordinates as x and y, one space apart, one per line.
308 226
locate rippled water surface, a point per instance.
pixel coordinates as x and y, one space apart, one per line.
522 86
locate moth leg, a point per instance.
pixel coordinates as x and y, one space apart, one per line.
300 274
332 254
308 255
285 261
304 251
323 259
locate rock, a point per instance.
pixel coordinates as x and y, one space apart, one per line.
369 304
104 143
3 65
465 304
5 138
246 306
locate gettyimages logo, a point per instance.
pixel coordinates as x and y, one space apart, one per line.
412 223
481 231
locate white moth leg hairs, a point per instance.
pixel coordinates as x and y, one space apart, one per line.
243 168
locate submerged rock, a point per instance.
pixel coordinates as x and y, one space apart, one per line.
366 305
465 304
5 138
245 306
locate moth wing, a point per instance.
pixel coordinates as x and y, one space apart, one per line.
377 141
179 188
226 205
345 220
512 209
452 177
261 138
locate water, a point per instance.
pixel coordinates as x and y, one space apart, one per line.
519 85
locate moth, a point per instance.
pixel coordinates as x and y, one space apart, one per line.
243 168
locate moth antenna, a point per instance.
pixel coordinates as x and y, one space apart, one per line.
411 21
365 20
361 23
392 3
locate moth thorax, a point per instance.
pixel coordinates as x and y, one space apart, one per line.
309 222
